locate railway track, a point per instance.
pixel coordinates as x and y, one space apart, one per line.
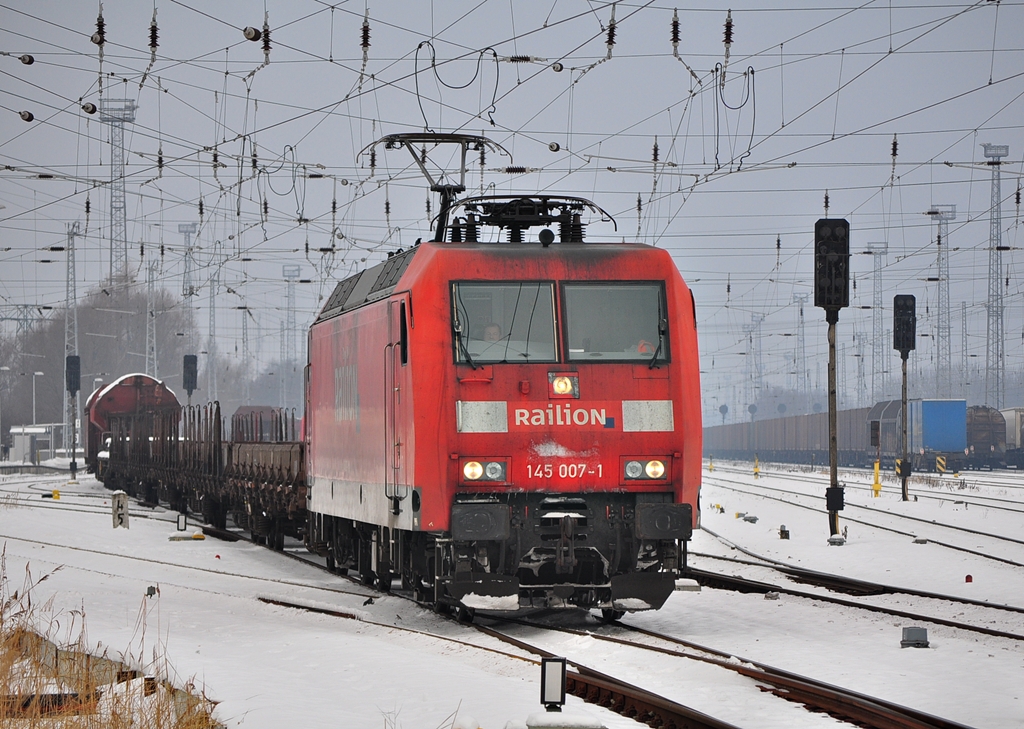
818 696
650 708
891 485
759 491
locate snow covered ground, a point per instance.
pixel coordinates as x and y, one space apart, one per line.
269 666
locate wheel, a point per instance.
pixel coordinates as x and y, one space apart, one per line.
465 614
609 615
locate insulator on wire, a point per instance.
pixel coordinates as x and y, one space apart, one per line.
428 208
387 207
100 36
895 147
639 204
154 35
334 206
27 59
160 160
266 38
364 38
483 155
89 107
201 210
675 28
27 116
252 34
161 250
254 158
728 47
612 28
423 155
142 250
654 153
266 208
373 159
88 206
826 202
515 170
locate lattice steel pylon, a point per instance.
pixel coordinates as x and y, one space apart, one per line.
188 284
964 380
994 361
942 214
801 345
879 350
117 113
211 344
152 369
291 275
71 408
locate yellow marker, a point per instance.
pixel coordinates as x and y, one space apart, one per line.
757 468
711 464
56 494
876 487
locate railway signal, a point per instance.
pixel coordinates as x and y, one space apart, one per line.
904 335
832 293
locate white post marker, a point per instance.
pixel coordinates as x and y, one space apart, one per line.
119 509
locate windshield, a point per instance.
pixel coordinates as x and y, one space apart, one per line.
616 322
504 322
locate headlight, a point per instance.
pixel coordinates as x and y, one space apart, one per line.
645 470
561 385
484 470
655 469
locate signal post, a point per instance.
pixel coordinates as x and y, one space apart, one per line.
832 293
904 336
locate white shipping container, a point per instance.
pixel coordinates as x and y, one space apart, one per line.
1014 423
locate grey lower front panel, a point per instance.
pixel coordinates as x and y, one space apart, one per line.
617 551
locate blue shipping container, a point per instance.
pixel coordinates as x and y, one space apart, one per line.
938 426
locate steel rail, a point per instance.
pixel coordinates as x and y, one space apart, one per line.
857 587
967 550
844 704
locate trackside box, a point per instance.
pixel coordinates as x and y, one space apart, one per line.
938 426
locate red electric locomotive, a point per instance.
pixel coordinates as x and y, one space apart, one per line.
507 423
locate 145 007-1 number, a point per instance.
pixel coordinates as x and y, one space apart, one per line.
563 470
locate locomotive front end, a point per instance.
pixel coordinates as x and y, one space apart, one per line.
574 451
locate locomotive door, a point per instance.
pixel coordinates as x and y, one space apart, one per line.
397 405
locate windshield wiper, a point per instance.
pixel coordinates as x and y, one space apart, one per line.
662 328
457 331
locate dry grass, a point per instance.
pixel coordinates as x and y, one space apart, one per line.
48 680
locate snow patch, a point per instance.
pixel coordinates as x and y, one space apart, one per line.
491 602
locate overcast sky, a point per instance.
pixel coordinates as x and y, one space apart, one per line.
813 96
